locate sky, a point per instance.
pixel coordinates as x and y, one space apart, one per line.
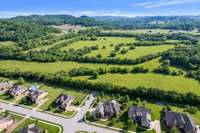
128 8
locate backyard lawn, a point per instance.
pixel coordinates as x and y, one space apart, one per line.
50 128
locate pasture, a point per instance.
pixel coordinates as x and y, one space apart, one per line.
179 84
101 41
132 54
54 67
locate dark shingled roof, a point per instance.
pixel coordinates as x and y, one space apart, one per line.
181 121
140 115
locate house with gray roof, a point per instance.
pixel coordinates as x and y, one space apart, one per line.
37 96
17 90
182 122
63 102
4 87
107 109
141 116
32 128
6 121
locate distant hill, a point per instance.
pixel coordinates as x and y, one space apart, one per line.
166 22
58 20
110 22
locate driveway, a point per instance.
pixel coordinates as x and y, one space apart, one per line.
156 125
69 125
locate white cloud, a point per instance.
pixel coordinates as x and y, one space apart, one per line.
160 3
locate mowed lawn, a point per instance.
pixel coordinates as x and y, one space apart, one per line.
49 127
179 84
54 92
102 41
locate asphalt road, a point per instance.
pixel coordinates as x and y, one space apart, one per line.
69 125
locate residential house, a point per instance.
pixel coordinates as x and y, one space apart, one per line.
37 96
32 128
17 90
63 102
4 87
182 122
6 121
107 109
141 116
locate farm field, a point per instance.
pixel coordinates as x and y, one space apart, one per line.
132 54
102 41
150 80
54 67
11 65
142 31
144 50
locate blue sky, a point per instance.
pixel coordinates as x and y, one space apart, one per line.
130 8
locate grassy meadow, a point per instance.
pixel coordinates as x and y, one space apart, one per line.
169 83
11 65
102 41
132 54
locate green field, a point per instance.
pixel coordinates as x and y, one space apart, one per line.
102 41
46 47
7 43
145 50
142 31
165 82
132 54
12 65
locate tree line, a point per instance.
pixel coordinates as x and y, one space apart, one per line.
61 79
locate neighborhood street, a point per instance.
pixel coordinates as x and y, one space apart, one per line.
69 125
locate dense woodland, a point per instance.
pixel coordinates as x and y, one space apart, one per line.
160 22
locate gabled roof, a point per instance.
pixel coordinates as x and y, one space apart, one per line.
108 108
141 115
16 89
32 128
63 99
35 94
177 119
